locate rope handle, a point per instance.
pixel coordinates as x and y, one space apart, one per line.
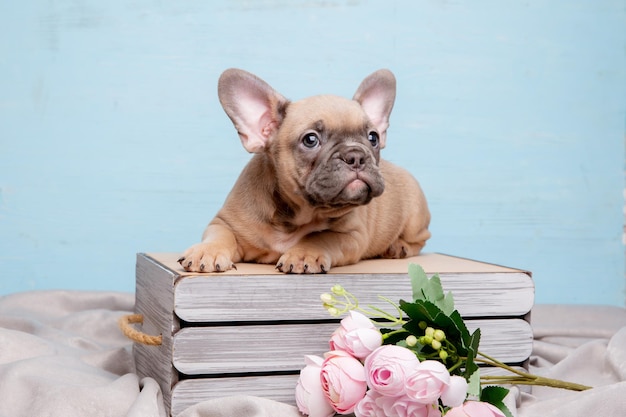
129 331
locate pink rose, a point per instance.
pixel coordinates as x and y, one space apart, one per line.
455 393
475 409
387 367
343 381
357 335
428 382
368 406
406 407
309 395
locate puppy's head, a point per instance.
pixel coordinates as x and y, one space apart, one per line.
325 149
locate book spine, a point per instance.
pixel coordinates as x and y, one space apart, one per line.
279 388
279 297
154 301
279 348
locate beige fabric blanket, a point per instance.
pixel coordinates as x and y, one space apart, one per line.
61 354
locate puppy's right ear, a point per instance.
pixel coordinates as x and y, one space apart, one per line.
254 107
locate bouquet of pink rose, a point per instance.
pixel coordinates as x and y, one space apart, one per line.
421 363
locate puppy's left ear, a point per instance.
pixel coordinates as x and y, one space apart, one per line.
376 94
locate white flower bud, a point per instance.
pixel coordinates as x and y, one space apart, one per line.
411 341
327 298
338 290
439 335
333 311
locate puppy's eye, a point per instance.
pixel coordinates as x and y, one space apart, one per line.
310 140
373 138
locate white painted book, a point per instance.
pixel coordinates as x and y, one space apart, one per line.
246 331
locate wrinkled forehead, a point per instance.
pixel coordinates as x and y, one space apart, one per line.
336 113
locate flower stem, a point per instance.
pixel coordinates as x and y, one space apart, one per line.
386 335
458 364
524 378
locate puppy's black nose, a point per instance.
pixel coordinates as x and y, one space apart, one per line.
355 158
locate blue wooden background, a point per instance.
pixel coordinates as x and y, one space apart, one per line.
511 114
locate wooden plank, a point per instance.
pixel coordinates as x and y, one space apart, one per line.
192 391
154 299
263 348
275 387
277 297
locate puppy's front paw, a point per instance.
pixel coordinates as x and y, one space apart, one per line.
299 261
206 257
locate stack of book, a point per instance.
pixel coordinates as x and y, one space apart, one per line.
246 331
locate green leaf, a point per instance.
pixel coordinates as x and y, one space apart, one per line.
421 310
459 325
473 384
419 280
471 352
494 395
429 289
452 324
505 410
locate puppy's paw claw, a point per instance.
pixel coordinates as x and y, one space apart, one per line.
206 257
294 262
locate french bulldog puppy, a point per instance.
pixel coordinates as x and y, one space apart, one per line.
316 193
